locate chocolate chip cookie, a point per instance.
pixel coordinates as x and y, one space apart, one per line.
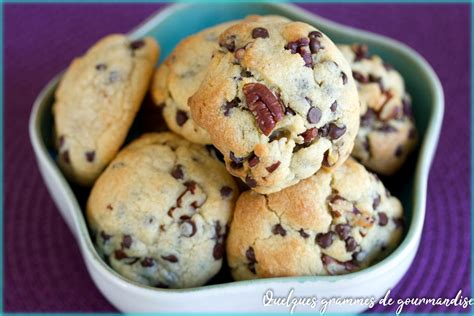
334 222
387 131
279 102
160 211
96 102
182 72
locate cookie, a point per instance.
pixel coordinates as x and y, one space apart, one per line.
180 75
160 210
387 133
335 222
96 102
279 102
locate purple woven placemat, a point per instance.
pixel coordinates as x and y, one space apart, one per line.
44 271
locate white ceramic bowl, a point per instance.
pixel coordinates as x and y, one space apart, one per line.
168 27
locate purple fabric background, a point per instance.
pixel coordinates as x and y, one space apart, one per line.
44 271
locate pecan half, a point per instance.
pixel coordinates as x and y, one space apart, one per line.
266 107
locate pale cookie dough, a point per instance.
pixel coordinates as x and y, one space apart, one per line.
96 102
279 102
387 133
334 222
159 212
182 72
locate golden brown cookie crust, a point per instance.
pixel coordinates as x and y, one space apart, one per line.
96 102
287 64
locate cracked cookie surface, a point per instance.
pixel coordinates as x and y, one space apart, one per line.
279 102
96 102
180 75
387 131
334 222
160 211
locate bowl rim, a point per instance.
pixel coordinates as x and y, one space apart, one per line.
423 164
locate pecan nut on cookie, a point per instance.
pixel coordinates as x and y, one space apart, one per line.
96 102
334 222
160 212
387 133
279 102
180 75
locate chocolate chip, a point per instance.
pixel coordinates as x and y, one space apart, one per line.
350 265
147 262
120 254
315 45
309 135
170 258
250 181
368 118
359 77
386 128
190 186
266 107
177 172
101 67
245 74
301 47
250 254
325 240
137 44
351 244
399 151
105 236
127 241
314 115
334 106
228 43
218 251
335 132
65 156
315 34
407 107
181 117
360 51
109 207
325 161
344 77
279 230
253 160
229 105
226 191
259 32
236 162
90 155
383 219
273 167
327 260
355 210
343 231
376 202
303 233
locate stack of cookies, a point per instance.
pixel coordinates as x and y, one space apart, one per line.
264 115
